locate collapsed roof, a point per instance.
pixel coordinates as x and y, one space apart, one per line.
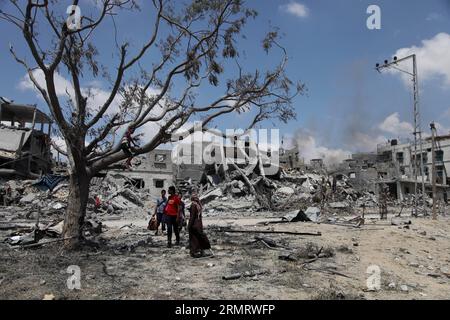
16 112
12 140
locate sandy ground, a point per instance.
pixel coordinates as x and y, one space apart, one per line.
132 263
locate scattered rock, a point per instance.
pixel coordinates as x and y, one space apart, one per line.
412 285
344 249
434 275
29 198
403 250
233 276
445 271
287 257
400 221
286 191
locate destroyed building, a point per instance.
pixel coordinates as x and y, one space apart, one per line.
392 165
395 165
24 140
202 164
153 172
360 170
189 166
317 164
290 159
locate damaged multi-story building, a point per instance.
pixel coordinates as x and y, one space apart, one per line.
202 163
395 165
392 165
290 159
24 140
154 172
361 171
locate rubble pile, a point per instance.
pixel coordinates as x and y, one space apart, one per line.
116 199
291 191
43 202
26 199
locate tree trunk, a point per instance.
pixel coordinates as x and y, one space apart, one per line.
78 193
76 209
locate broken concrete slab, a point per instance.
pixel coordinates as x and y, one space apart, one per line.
57 228
214 194
29 198
237 192
121 203
397 221
233 276
22 239
313 214
131 196
285 191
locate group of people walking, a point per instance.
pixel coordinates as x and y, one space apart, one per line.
170 214
170 211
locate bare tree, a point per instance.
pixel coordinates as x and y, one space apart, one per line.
192 42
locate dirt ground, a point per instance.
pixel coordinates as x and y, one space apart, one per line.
129 262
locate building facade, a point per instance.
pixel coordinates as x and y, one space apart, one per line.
153 172
397 165
24 140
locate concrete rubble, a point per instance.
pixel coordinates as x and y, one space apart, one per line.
294 190
312 193
260 227
28 201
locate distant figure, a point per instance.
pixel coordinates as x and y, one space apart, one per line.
172 216
198 241
334 186
159 211
127 144
97 204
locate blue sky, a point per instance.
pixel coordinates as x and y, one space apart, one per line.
349 106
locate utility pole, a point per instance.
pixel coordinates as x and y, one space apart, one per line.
433 163
417 124
417 127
